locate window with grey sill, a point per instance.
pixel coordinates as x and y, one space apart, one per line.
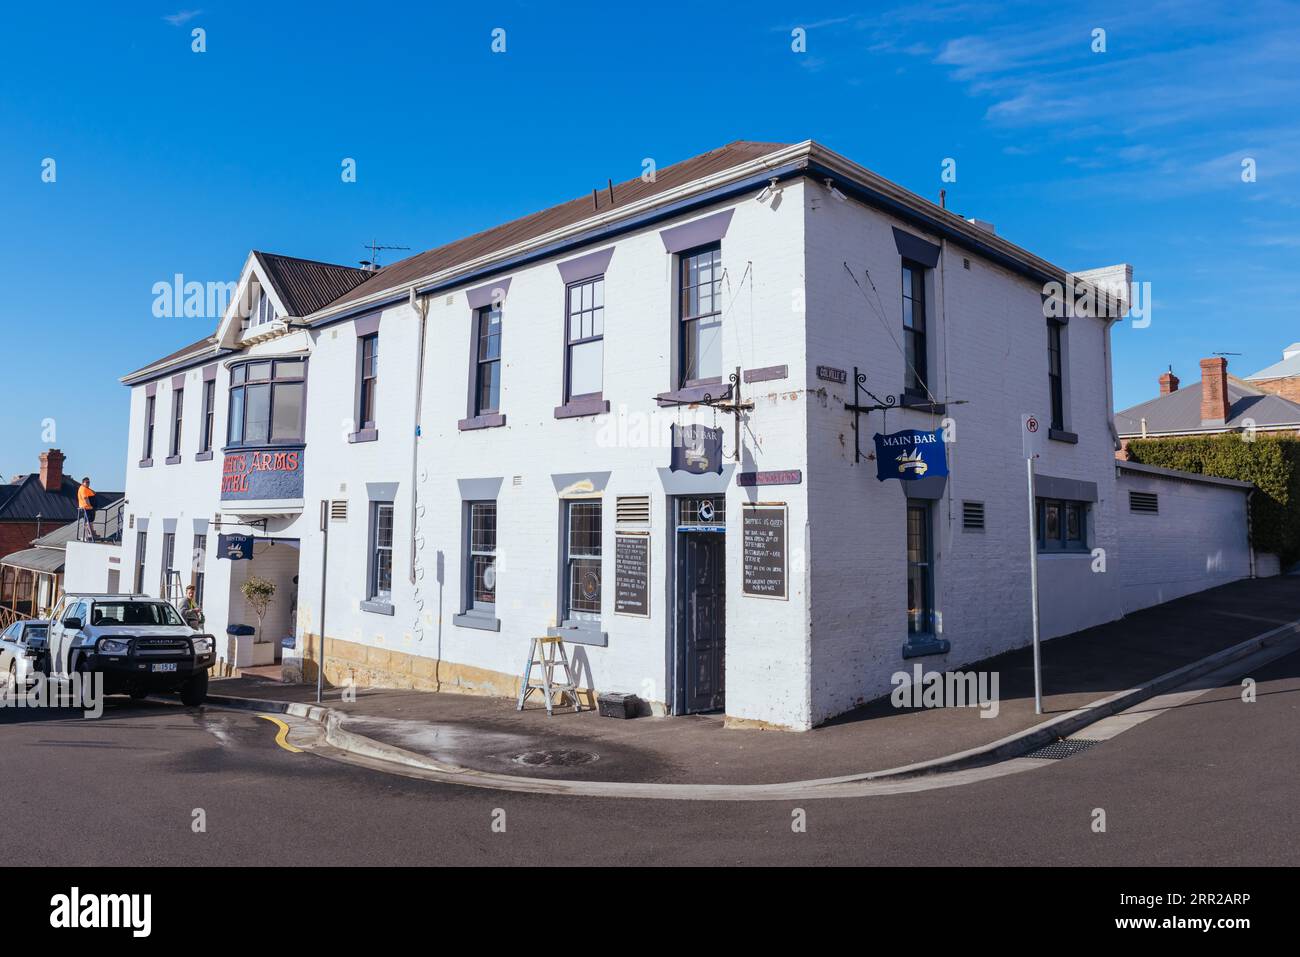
487 365
1055 376
699 307
367 382
380 590
209 417
178 407
1062 525
582 565
914 329
150 404
479 569
585 348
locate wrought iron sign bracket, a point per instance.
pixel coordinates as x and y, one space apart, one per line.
859 410
729 402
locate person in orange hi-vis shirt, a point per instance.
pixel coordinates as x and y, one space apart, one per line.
85 510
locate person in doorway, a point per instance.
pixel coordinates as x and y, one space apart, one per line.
191 611
85 511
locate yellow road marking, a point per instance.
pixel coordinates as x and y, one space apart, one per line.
281 737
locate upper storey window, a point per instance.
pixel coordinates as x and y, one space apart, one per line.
266 402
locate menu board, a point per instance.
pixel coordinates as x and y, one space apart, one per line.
764 538
632 575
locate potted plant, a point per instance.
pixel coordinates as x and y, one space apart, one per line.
259 593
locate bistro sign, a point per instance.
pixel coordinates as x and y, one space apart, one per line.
262 474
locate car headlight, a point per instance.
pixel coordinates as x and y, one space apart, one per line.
115 646
202 644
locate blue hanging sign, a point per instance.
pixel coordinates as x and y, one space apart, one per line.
235 547
910 455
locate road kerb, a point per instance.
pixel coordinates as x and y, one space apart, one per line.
1009 747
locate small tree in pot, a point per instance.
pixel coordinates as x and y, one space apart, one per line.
259 593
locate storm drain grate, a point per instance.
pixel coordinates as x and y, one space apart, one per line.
1063 748
556 758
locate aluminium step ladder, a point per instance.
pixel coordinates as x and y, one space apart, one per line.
548 654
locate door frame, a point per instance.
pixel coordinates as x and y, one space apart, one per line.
678 697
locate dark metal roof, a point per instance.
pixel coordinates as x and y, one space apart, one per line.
574 211
30 500
305 285
193 350
1180 411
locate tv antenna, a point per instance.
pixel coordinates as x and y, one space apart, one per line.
376 248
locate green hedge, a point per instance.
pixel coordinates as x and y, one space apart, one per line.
1272 463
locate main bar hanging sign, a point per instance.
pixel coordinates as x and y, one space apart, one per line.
910 455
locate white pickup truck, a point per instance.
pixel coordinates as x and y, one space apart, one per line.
139 644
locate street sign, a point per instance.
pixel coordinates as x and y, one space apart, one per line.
1031 435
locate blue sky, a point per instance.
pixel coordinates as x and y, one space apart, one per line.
173 161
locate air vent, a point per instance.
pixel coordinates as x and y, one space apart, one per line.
972 516
1143 502
632 510
339 510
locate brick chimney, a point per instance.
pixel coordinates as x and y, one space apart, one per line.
52 470
1214 391
1168 382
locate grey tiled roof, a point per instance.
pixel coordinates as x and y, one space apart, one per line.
1181 411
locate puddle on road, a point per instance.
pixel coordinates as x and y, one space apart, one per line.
450 743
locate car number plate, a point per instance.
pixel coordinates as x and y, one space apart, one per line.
165 666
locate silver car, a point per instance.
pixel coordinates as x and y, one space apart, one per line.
23 649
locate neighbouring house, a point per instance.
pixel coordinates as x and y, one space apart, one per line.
33 579
37 518
1281 378
659 388
1217 403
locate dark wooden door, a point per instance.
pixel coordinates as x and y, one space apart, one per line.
706 620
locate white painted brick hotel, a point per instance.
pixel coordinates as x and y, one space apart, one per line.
489 423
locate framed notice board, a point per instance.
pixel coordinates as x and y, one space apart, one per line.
765 566
632 575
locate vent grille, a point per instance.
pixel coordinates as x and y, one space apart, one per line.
972 516
632 510
339 510
1143 502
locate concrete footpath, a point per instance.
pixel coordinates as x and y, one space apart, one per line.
1086 676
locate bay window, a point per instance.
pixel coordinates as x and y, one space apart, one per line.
266 402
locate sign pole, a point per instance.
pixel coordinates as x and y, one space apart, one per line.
1033 586
324 556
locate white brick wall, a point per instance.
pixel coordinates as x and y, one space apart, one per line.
837 639
1196 540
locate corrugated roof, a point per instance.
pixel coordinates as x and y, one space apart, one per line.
1180 411
31 500
47 560
193 350
1289 366
305 285
556 217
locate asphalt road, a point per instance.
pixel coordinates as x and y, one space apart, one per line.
1210 783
